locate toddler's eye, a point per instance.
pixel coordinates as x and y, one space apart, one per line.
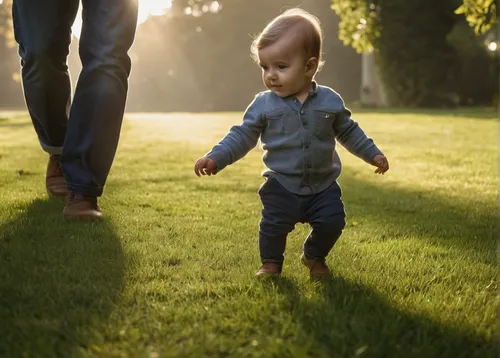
264 67
281 67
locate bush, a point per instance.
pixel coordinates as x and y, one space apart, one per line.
417 64
426 57
477 82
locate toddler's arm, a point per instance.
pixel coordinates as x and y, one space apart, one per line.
354 139
236 144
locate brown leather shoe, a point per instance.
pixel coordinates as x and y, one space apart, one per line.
54 179
81 206
317 268
269 269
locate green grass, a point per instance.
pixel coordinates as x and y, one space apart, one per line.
170 273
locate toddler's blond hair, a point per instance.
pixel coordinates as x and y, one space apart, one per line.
307 28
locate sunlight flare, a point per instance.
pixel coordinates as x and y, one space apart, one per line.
147 8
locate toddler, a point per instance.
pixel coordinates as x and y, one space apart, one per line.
298 123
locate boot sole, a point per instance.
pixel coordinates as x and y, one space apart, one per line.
83 217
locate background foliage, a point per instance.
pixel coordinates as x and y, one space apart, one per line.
422 60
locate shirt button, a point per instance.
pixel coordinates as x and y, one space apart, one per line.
301 111
305 122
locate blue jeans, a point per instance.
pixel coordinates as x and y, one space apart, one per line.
85 132
282 210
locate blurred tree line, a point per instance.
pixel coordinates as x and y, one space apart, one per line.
201 61
196 57
429 53
10 91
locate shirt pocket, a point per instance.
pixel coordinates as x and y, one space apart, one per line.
323 124
278 121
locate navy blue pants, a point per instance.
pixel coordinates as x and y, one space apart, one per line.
282 210
86 131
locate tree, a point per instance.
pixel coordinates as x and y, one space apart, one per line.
418 62
409 39
195 8
359 23
480 14
203 63
6 22
198 59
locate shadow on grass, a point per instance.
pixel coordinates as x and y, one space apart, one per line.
59 280
403 212
347 320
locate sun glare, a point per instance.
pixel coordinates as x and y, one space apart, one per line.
147 8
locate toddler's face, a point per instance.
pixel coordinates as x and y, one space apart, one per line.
284 68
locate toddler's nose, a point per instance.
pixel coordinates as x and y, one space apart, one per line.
271 75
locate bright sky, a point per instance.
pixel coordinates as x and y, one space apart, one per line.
146 8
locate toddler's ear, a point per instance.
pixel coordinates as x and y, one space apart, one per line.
312 66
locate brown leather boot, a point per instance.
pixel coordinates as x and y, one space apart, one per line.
54 179
317 267
269 269
81 206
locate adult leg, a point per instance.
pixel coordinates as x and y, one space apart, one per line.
98 106
43 31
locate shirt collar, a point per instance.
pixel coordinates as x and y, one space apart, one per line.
314 88
311 93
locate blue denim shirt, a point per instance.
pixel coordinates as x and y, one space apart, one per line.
298 139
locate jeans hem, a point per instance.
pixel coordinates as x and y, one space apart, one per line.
309 257
85 190
272 260
51 150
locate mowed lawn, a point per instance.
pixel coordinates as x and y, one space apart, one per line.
170 273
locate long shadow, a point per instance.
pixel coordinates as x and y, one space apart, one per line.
347 320
403 212
59 280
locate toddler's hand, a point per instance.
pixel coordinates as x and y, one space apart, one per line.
205 166
380 161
